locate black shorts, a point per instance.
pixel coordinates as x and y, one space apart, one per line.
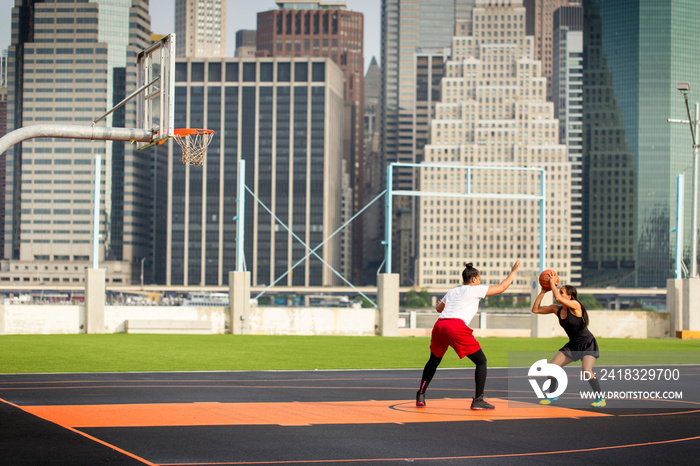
576 352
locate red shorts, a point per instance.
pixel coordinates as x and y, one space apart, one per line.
454 333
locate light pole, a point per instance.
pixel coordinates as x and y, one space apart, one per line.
142 261
684 88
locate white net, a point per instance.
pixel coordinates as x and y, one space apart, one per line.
194 143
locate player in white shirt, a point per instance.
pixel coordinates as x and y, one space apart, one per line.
457 309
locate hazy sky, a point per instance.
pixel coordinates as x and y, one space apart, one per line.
241 14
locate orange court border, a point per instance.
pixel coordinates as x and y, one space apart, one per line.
173 420
293 413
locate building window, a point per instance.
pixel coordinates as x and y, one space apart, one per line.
284 73
249 72
266 72
301 72
318 72
231 72
215 72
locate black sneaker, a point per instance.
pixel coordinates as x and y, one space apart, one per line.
420 399
480 403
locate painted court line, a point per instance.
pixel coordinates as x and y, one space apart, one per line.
441 458
292 414
94 439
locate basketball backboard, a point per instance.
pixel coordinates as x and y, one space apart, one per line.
155 107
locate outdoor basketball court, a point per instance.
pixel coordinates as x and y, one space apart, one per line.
326 417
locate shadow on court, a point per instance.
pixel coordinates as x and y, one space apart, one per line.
327 417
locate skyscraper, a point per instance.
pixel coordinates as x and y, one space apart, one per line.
327 29
567 96
200 26
373 181
70 62
492 114
636 53
409 26
540 25
283 116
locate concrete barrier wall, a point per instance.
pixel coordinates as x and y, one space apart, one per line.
609 324
42 319
310 321
630 324
57 319
116 316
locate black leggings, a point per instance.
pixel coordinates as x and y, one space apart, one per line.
478 358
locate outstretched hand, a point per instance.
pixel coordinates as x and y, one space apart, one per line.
516 266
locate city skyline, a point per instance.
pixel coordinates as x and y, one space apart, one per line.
241 15
630 160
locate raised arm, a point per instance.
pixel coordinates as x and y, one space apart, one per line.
537 309
503 286
572 304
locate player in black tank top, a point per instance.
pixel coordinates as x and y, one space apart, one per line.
582 345
574 327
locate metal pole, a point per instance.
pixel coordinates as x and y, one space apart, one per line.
680 193
543 222
74 132
694 245
123 102
388 226
142 260
240 225
96 216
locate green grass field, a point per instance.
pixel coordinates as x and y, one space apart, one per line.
123 352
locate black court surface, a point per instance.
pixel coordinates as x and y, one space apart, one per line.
327 417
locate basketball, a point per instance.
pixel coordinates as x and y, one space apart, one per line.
544 279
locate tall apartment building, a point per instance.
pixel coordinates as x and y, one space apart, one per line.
540 25
493 114
69 63
636 53
327 29
283 116
409 27
200 26
567 96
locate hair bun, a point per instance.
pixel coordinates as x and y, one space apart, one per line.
469 265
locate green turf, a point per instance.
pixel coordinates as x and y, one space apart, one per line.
123 352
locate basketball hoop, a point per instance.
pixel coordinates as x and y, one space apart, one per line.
194 143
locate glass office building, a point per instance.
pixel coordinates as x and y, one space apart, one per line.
69 63
642 49
284 117
322 29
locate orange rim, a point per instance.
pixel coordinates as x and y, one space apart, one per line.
191 131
